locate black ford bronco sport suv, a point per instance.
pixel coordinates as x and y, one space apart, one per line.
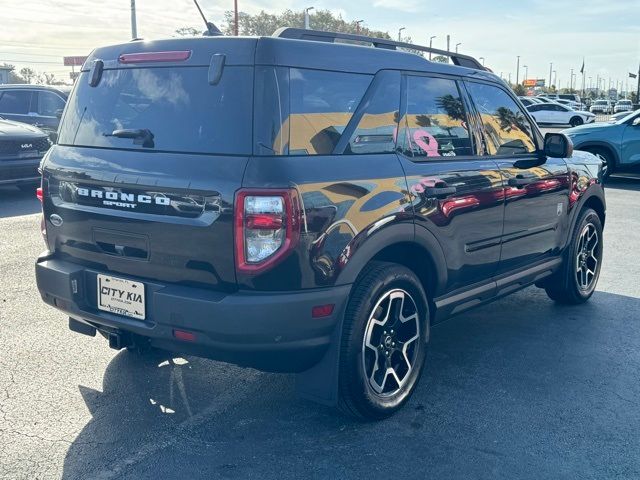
296 203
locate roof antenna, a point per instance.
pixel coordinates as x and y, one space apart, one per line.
212 30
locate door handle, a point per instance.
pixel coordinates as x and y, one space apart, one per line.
439 191
520 181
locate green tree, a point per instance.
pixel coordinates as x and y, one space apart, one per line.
264 24
440 59
188 32
519 90
28 74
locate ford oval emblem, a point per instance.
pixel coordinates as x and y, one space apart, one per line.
56 220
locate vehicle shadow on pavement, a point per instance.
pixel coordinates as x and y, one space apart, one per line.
15 202
521 388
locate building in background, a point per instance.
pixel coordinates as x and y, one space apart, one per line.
4 74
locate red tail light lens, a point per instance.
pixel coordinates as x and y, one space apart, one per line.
146 57
39 194
267 227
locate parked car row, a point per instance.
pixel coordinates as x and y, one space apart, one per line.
546 111
616 143
29 118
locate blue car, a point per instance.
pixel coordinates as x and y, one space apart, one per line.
617 144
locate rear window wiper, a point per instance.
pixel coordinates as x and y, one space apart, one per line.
140 136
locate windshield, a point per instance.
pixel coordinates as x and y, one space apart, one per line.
628 117
600 102
168 109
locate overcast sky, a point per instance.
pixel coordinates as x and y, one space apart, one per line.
605 32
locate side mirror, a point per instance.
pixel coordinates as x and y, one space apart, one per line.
557 145
636 122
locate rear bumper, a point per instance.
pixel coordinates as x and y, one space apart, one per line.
19 171
268 331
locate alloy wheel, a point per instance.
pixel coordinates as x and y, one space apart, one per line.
391 342
587 257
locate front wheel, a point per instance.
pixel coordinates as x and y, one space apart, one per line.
575 121
384 341
576 281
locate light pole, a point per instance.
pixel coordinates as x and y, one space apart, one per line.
358 22
430 44
517 71
134 26
400 33
306 17
571 81
448 42
482 58
459 43
550 70
555 78
526 71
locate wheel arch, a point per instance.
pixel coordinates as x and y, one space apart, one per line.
603 145
413 247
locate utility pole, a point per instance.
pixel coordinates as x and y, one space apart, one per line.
134 26
430 44
571 80
236 28
638 90
306 17
517 71
550 71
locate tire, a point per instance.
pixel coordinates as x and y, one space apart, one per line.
400 335
572 284
575 121
608 162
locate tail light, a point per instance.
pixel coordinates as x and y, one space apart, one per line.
267 227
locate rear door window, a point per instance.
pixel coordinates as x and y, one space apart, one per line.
377 127
177 106
15 101
435 123
49 104
507 129
321 105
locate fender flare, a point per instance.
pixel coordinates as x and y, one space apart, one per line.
405 232
593 191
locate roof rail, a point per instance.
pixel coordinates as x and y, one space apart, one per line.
321 36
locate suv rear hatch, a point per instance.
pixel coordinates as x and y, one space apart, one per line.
149 158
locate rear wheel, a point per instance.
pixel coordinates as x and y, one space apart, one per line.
576 281
383 341
575 121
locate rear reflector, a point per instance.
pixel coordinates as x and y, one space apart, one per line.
39 193
322 310
184 335
145 57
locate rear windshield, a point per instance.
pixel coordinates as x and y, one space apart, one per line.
166 109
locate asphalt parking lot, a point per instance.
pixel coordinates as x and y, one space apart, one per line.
520 388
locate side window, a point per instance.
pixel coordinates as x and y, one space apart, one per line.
507 130
321 103
15 101
535 108
49 103
378 126
435 124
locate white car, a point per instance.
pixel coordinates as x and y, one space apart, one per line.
557 114
602 106
623 106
